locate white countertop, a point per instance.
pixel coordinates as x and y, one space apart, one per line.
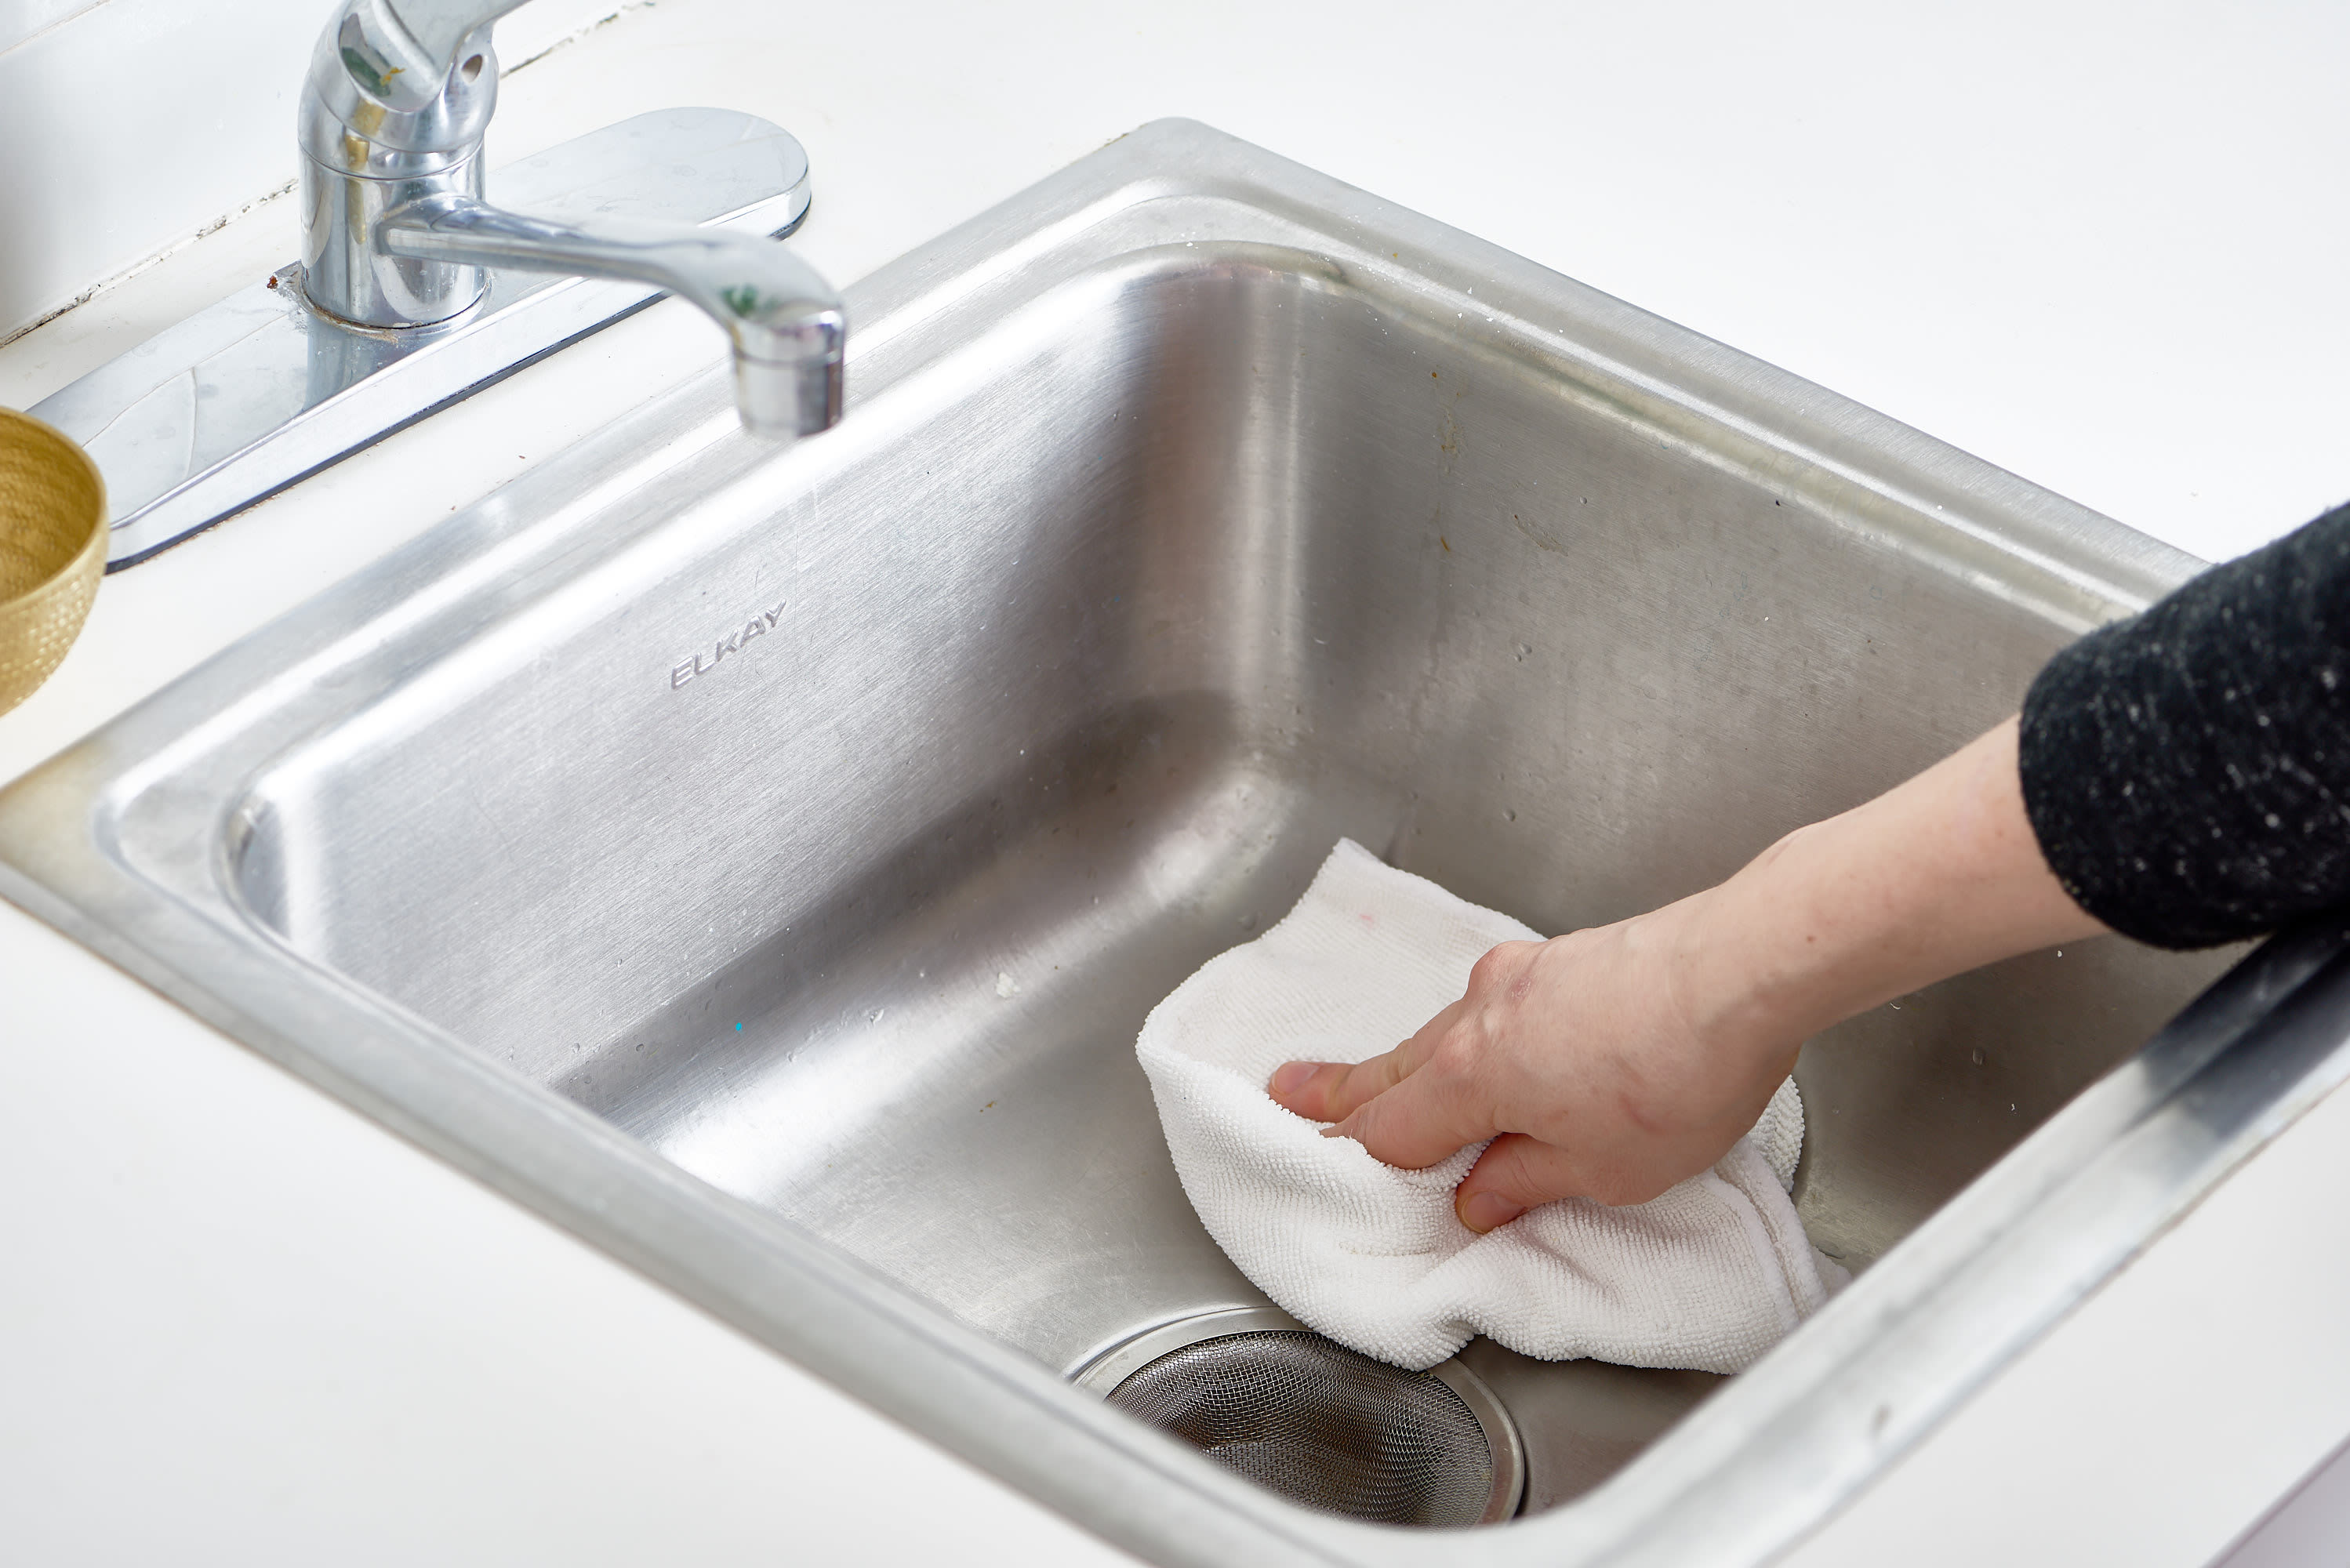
242 1322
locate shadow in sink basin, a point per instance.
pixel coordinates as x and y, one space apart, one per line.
934 1067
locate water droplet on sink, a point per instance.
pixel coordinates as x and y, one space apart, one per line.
1509 815
1976 1056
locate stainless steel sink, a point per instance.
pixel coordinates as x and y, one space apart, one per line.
760 864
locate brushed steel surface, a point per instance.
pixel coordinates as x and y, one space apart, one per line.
760 861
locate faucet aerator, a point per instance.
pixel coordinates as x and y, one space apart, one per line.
782 400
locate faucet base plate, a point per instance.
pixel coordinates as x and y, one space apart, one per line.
260 391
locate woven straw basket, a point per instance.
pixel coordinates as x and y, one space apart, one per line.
52 550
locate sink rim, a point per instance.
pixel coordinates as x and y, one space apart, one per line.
124 842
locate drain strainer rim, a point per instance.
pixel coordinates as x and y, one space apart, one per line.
1102 1374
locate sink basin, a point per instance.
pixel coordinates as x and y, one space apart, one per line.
760 861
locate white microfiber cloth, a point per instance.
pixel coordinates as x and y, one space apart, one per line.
1709 1275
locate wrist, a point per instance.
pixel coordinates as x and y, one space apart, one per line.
1938 875
1730 993
1762 969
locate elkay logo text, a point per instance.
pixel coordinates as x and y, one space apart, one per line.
759 625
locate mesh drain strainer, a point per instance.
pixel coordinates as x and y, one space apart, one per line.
1320 1423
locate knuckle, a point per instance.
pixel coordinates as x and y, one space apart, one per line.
1496 966
1458 1051
1385 1072
1316 1094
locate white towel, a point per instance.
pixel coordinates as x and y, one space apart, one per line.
1709 1275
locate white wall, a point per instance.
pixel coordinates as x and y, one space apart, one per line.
20 20
126 127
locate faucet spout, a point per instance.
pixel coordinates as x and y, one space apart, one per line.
784 323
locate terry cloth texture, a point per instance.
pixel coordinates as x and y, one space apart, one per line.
1709 1276
2187 771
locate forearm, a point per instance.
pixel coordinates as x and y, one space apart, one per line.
1616 1061
1936 876
2187 771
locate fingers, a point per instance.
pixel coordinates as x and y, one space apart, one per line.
1310 1088
1330 1091
1425 1119
1514 1174
1333 1091
1419 1104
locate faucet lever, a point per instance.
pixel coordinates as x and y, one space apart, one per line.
423 36
401 52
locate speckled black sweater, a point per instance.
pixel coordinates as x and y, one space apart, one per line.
2188 770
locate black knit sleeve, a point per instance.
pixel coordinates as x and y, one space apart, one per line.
2188 770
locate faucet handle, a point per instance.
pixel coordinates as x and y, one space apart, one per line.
399 89
402 53
420 40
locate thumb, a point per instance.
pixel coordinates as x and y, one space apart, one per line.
1514 1174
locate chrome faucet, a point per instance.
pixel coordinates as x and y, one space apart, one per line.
395 233
412 294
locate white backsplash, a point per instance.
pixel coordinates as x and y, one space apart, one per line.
20 20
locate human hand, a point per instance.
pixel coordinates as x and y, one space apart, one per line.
1611 1063
1588 1059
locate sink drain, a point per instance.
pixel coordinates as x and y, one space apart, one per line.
1259 1392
